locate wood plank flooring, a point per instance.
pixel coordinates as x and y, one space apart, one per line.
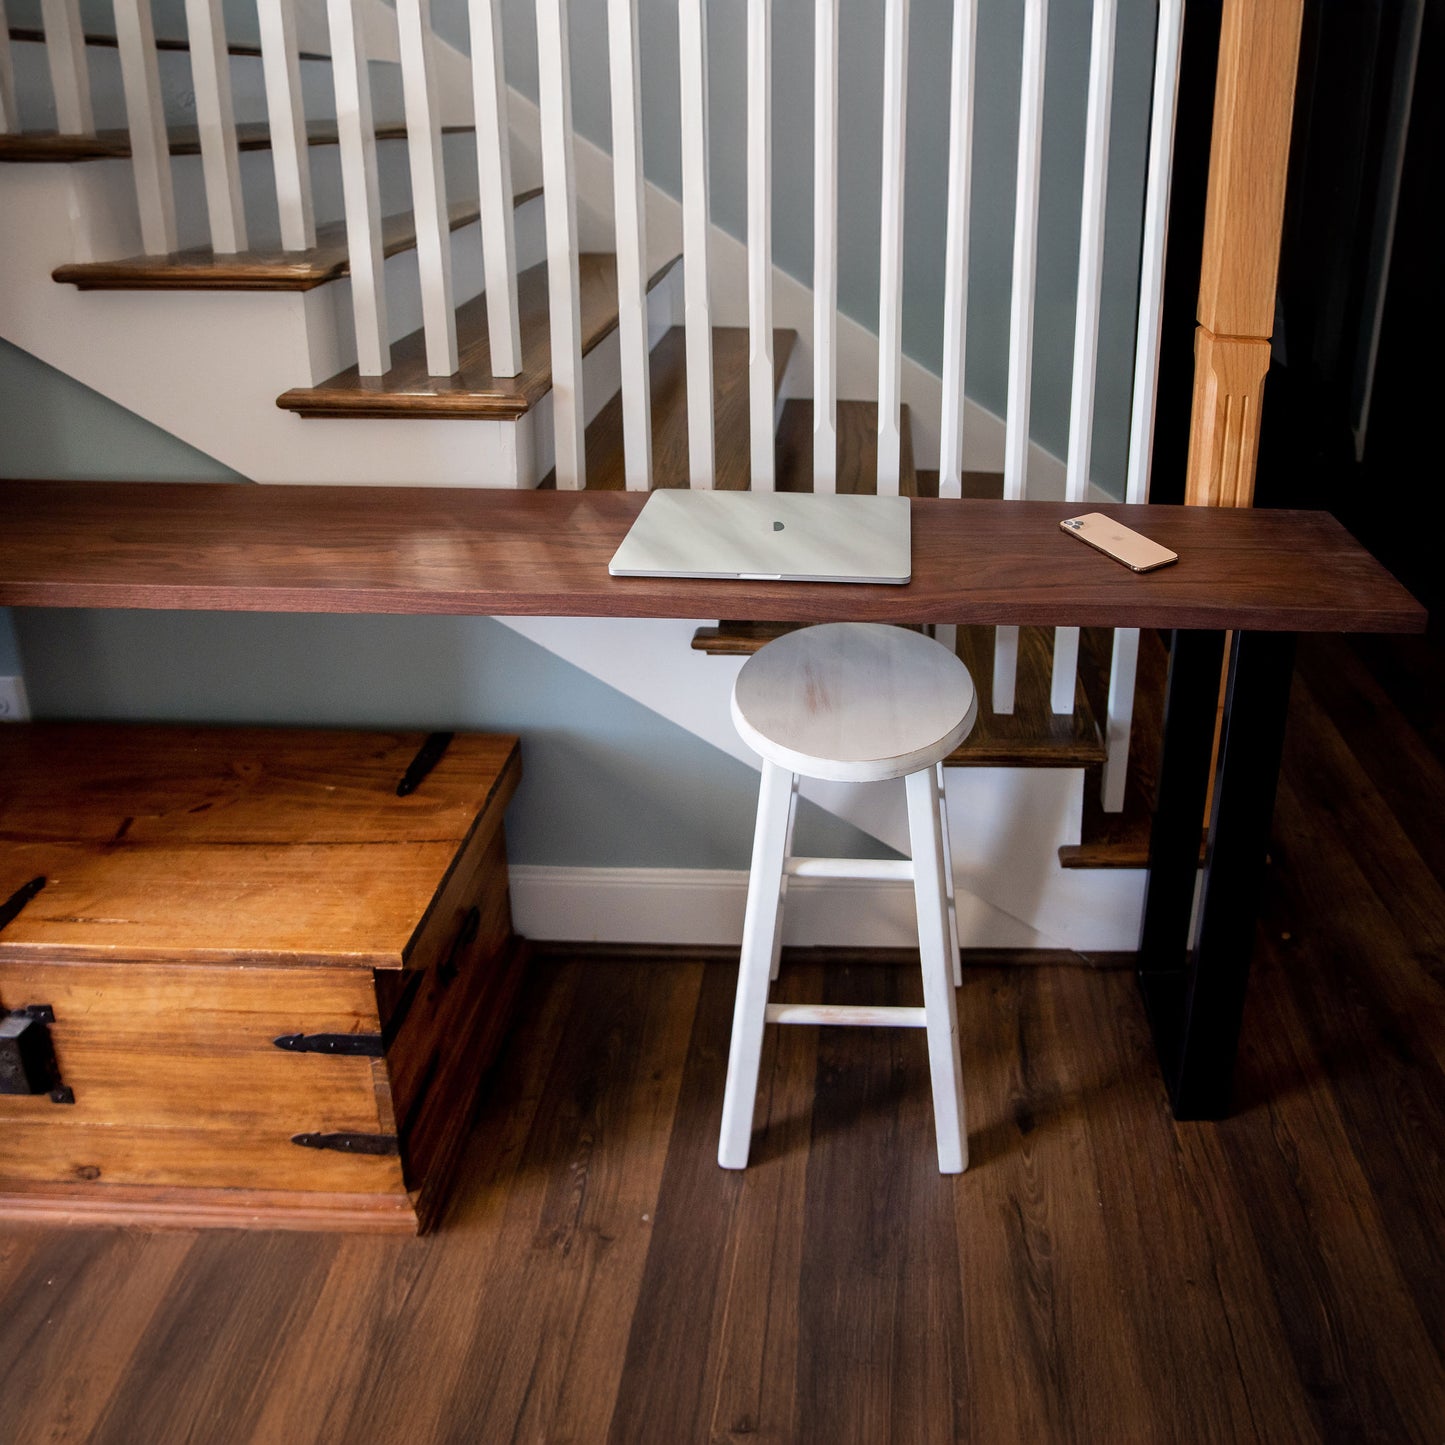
1099 1273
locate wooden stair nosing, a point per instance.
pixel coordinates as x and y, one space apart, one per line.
202 269
667 379
24 34
52 147
409 391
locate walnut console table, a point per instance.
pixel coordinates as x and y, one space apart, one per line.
1262 576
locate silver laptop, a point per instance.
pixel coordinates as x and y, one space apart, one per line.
768 537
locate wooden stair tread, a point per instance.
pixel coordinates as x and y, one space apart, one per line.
857 448
51 147
408 390
202 269
667 376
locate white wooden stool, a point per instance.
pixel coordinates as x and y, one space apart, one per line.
850 702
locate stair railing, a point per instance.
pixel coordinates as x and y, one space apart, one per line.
150 142
431 212
692 32
210 60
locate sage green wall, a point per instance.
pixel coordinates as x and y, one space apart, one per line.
607 782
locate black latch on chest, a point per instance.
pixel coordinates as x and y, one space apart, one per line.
27 1055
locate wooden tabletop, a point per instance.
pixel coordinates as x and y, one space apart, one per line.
232 547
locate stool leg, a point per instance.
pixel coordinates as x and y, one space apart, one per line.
925 836
783 881
954 951
761 923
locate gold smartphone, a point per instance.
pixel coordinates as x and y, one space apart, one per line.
1116 540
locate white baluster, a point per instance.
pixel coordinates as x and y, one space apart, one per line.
761 385
285 110
825 246
145 114
955 266
359 187
890 249
697 294
1119 717
1086 310
428 185
1156 228
69 72
9 109
216 120
494 174
1146 371
559 199
624 53
1021 310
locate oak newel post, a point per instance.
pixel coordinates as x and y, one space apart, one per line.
1249 152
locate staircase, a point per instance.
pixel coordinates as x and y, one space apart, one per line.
277 384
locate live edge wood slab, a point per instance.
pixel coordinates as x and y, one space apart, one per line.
231 547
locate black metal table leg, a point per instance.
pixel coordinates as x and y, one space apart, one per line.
1195 995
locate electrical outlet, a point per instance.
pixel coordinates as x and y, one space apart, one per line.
14 705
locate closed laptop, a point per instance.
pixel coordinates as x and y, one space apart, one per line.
768 537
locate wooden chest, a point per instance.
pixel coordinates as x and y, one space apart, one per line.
247 976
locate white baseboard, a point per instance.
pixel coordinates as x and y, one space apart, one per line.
702 906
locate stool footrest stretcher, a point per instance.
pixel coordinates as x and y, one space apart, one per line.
858 1015
875 869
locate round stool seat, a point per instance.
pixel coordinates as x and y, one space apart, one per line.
854 702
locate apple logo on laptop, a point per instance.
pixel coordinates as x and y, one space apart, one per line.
777 526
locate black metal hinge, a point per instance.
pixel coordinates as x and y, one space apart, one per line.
19 898
27 1055
427 757
350 1143
368 1046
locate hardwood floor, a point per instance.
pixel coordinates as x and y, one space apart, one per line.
1099 1273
